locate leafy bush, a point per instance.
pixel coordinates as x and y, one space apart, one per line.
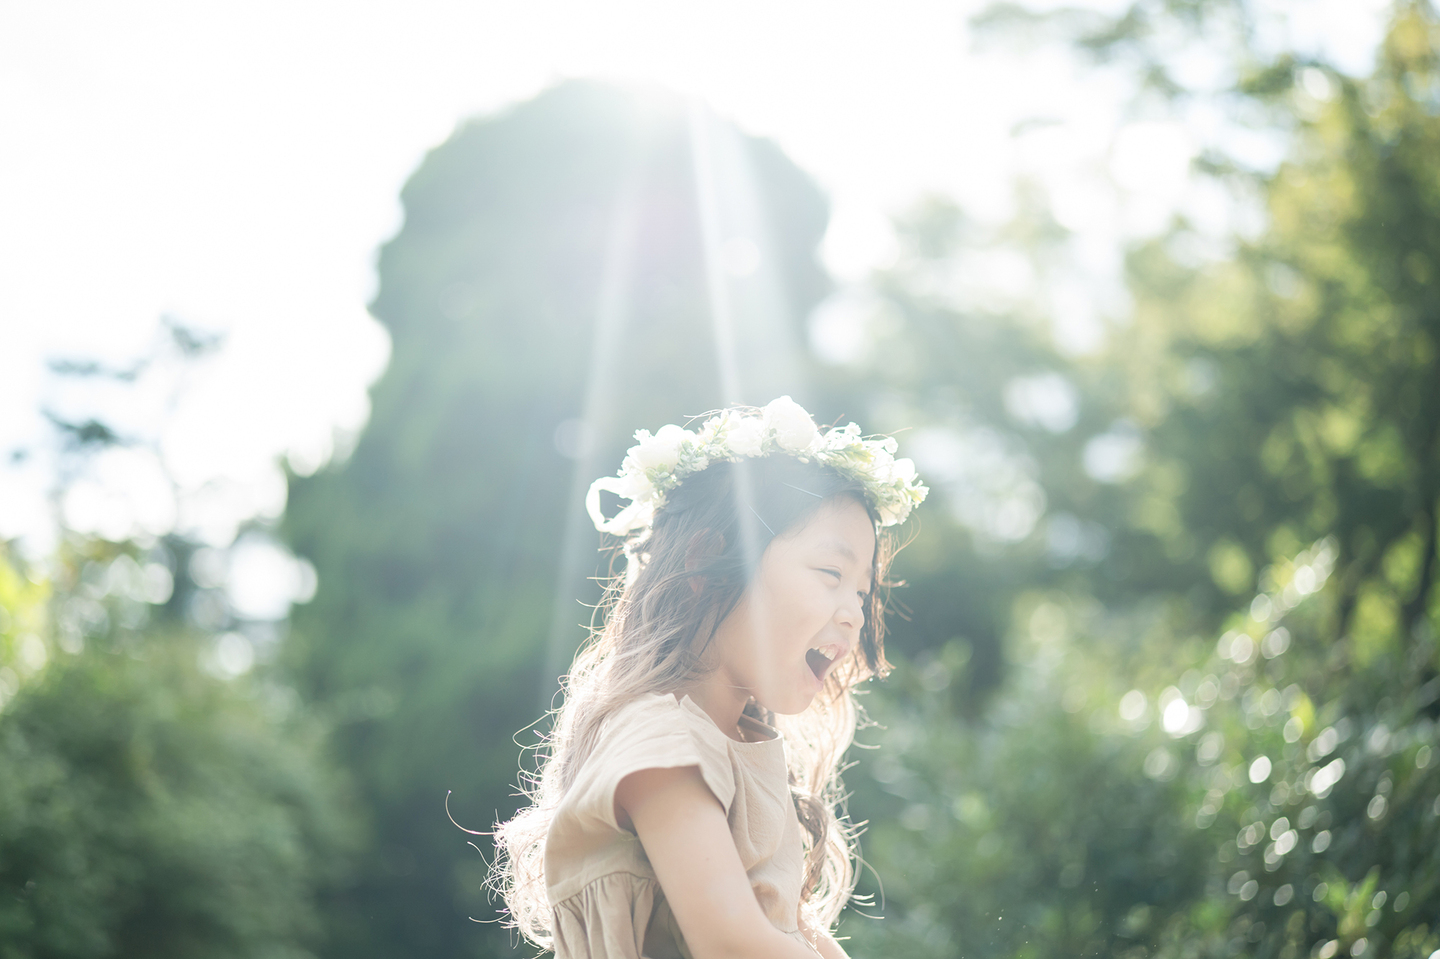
1250 799
147 808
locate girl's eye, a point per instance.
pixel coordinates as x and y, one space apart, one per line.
833 572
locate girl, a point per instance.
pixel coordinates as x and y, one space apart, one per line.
687 804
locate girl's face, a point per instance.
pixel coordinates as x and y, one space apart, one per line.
803 611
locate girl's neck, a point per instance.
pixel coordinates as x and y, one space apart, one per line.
722 703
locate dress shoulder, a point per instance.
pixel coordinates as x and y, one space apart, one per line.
651 732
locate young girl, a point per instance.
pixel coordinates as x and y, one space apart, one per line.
687 804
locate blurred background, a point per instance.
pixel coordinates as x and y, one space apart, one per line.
318 319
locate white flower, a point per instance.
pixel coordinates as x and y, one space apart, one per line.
630 484
794 429
839 438
745 436
903 470
638 513
661 451
891 513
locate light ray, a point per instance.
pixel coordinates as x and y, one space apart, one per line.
756 336
612 309
707 201
702 156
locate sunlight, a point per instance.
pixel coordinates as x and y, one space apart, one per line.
612 307
757 348
717 285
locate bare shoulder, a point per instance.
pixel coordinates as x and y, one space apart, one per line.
676 791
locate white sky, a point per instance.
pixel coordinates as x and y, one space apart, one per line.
237 164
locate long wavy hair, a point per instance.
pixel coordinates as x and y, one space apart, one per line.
654 633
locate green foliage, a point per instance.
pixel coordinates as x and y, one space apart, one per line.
147 808
1246 797
1323 418
1289 805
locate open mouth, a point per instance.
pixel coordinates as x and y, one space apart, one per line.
821 658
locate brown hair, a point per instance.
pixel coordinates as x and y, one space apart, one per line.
655 632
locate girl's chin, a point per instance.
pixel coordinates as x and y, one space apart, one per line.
795 698
792 704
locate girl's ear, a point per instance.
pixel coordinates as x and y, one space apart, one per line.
703 548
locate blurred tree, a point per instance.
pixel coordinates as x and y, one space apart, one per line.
1267 421
147 807
551 290
154 800
1256 801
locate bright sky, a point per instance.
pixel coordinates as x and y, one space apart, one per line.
236 165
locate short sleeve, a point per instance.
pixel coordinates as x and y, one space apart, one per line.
652 732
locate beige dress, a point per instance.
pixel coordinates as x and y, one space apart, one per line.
605 900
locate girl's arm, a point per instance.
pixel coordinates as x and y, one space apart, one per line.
687 838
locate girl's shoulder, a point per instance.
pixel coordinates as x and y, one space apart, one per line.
659 731
658 721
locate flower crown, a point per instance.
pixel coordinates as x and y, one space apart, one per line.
657 464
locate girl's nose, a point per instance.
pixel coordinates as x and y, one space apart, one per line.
851 614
